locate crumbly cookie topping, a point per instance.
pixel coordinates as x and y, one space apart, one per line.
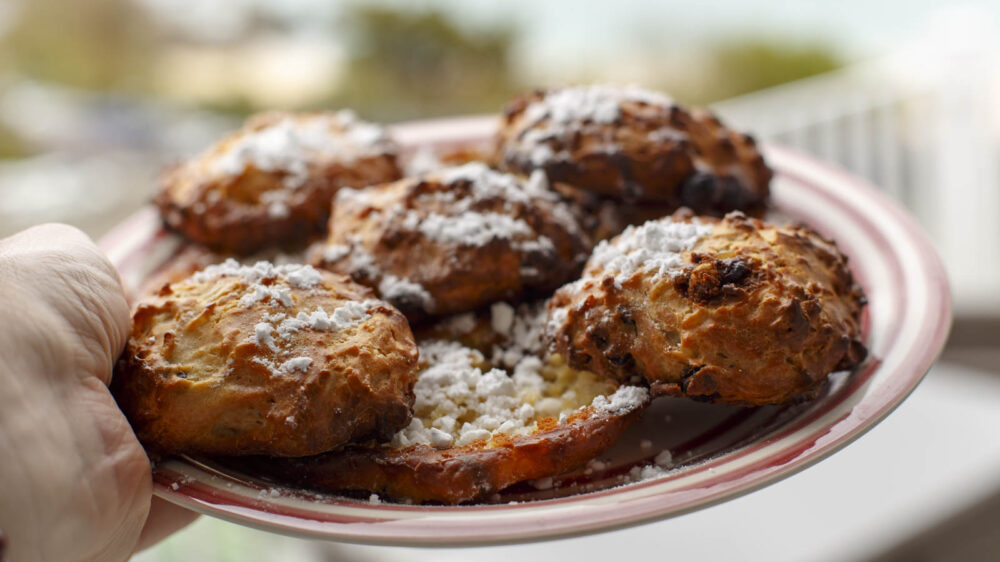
562 113
596 104
656 246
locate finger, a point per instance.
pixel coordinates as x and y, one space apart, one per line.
164 520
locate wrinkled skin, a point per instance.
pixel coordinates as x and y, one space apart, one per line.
75 483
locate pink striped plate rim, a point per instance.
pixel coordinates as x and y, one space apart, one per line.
718 452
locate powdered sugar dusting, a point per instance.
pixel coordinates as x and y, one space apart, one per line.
662 464
624 400
501 317
424 160
278 210
263 336
556 320
336 252
257 293
487 183
300 364
304 277
462 324
298 276
392 288
522 331
292 144
359 260
487 207
343 317
595 103
454 387
400 289
657 246
471 228
464 225
561 113
460 400
274 332
260 279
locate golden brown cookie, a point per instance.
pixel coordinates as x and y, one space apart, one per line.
604 217
271 182
735 310
427 159
633 144
188 259
455 240
264 359
477 430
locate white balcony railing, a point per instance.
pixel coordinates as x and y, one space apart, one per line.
924 126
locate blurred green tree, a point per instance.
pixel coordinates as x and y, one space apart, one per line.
11 145
89 44
751 64
412 64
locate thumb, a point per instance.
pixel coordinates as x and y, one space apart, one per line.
68 297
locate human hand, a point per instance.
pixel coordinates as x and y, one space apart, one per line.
75 484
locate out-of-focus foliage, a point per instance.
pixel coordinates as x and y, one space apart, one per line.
92 44
748 65
396 63
411 64
11 146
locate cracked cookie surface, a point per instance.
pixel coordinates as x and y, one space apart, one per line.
263 359
731 310
455 240
633 144
271 182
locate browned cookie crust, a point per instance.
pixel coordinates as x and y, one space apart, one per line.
280 361
272 182
524 429
604 217
633 144
733 311
455 240
423 474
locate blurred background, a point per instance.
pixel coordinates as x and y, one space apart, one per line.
97 96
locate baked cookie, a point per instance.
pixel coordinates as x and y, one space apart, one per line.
604 217
455 240
272 181
635 145
188 259
477 430
264 359
732 310
428 159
